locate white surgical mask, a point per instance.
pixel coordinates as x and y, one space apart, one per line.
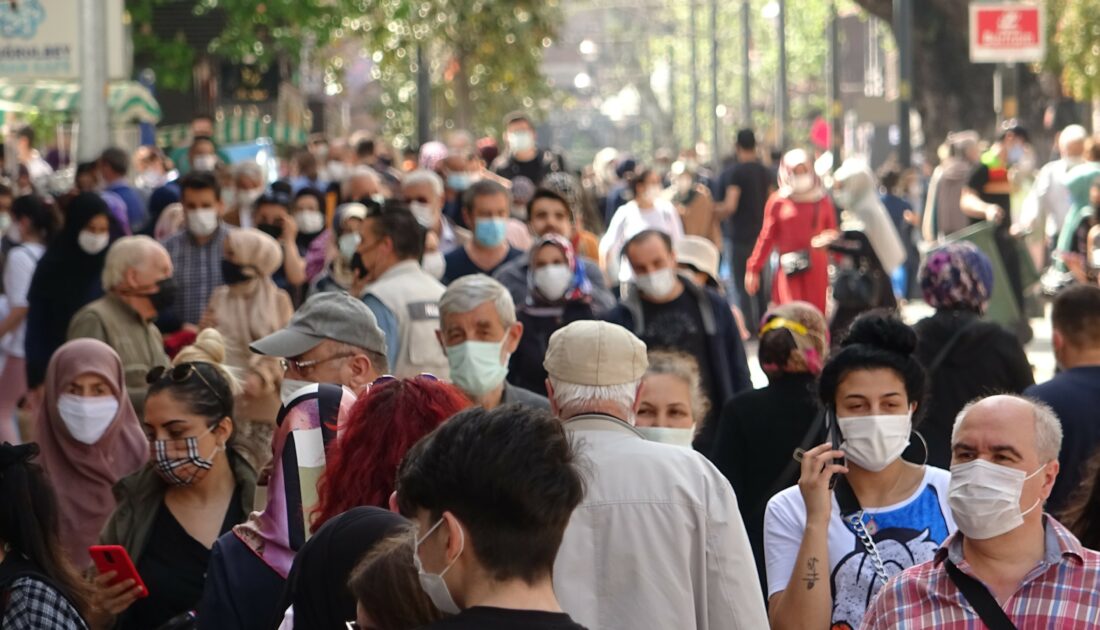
658 284
553 281
433 583
204 162
309 221
15 233
425 214
93 243
802 183
337 171
520 141
985 498
87 417
290 387
202 222
434 264
874 442
245 198
669 435
348 243
5 221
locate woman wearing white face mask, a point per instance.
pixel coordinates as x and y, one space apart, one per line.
799 222
558 293
89 438
828 552
672 402
648 210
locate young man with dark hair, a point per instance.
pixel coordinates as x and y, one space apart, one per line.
486 208
524 158
197 250
1074 393
403 297
114 163
491 493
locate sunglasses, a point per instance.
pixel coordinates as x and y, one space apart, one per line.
181 374
388 378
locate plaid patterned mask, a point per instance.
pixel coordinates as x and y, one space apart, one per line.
179 463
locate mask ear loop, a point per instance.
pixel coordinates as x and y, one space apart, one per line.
924 443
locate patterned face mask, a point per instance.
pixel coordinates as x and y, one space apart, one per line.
179 463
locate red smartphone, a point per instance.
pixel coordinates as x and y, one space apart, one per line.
114 558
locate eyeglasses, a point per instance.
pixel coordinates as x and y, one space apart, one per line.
181 374
302 366
386 378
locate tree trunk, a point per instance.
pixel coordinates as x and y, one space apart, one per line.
951 93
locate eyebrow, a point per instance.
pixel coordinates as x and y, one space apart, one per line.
1001 448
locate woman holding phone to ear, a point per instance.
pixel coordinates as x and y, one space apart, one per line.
195 488
829 548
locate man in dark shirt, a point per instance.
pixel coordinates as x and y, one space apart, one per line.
524 158
486 207
113 166
491 493
1074 393
743 190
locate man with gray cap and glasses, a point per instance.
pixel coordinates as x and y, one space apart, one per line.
658 541
333 338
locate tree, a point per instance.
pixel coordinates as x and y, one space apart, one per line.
1076 46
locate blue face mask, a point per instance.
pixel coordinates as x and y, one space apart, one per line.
458 181
476 366
490 232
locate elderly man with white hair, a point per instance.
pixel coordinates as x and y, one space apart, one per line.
479 332
240 200
137 277
362 183
658 541
424 192
1048 204
1010 564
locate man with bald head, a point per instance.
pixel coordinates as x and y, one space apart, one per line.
1009 563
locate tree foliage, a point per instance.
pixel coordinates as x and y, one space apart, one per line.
1076 46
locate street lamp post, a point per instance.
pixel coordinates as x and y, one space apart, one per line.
693 36
93 134
746 92
903 17
783 102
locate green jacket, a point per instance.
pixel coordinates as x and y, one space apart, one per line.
140 495
137 342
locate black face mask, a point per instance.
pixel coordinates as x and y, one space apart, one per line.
233 273
357 266
271 229
165 297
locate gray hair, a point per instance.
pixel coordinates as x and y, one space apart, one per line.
1048 428
470 292
1072 134
573 399
126 253
361 172
684 367
250 170
424 176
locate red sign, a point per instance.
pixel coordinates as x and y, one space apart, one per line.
1006 32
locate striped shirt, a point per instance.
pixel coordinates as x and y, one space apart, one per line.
1062 592
197 270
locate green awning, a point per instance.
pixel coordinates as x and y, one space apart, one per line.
239 128
128 101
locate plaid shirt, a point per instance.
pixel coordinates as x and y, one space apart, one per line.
33 605
198 271
1062 592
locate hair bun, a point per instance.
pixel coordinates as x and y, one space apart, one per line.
209 346
885 332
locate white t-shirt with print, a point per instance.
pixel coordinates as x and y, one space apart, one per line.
906 534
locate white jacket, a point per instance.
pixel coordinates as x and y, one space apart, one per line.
413 297
658 542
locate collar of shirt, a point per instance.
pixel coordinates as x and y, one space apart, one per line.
600 422
1058 543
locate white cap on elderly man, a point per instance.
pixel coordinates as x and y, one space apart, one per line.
595 353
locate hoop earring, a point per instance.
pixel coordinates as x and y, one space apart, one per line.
924 443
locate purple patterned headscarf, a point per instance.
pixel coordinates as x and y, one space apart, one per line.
958 276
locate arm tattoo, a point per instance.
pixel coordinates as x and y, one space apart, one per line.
812 576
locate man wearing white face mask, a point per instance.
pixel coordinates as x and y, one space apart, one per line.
479 332
423 191
402 296
240 201
669 312
1009 563
524 158
197 250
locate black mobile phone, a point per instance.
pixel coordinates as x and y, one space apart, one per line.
834 437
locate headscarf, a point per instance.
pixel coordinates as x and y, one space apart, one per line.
431 154
957 276
809 331
317 584
858 196
278 532
787 165
66 274
83 475
580 289
250 310
118 210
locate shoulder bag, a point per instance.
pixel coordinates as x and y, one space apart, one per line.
798 261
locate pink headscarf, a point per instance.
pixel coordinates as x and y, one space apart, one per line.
83 475
277 533
791 160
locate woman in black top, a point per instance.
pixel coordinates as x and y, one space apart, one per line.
194 489
965 356
38 586
759 429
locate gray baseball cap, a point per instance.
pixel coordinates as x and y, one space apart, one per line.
333 315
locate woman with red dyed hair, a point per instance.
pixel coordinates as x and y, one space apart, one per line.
383 425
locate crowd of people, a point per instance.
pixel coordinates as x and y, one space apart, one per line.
468 387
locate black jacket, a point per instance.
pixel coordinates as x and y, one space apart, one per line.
987 359
525 367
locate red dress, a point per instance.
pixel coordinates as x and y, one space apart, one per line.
788 227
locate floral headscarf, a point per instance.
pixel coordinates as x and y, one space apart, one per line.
807 328
958 276
580 290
